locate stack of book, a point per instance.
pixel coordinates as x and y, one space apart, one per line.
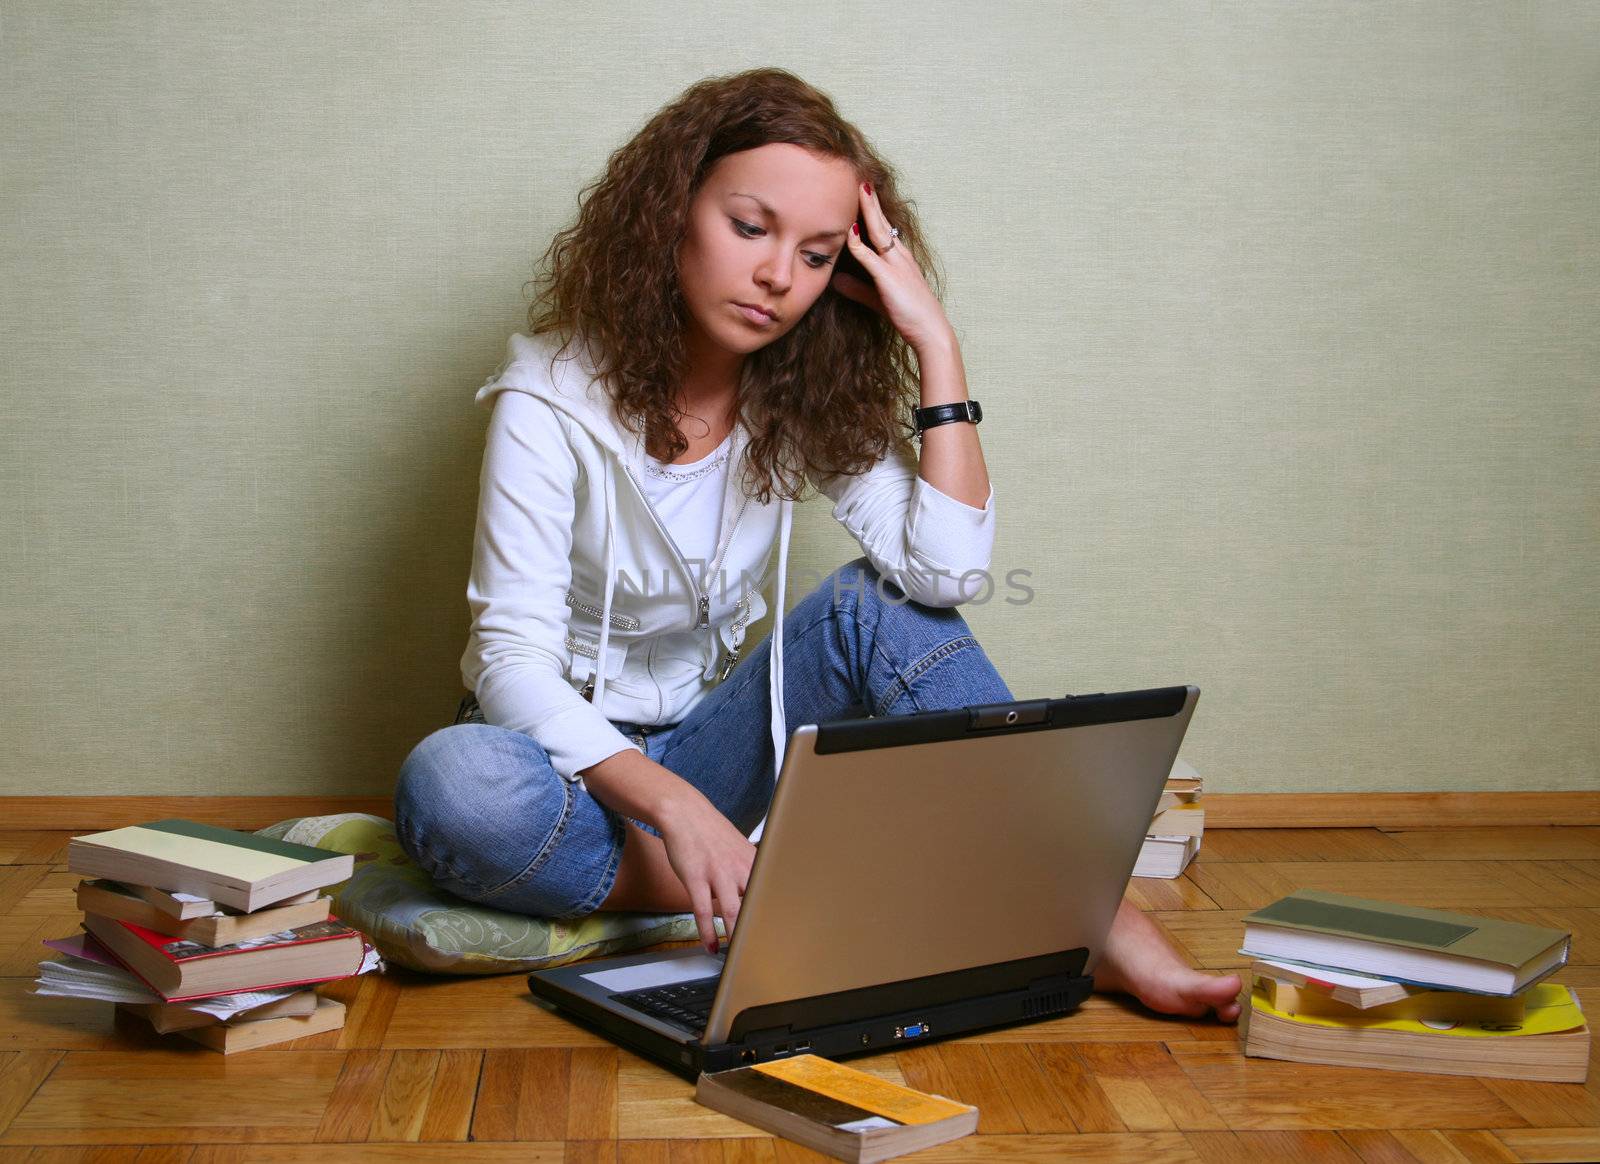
1353 982
219 935
1174 835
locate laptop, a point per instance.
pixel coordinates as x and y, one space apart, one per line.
921 876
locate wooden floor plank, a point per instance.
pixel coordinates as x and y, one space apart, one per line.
1365 844
370 1001
1265 1095
1128 1091
1035 1098
1150 893
592 1113
477 1013
1547 1105
968 1076
503 1153
149 1096
353 1105
1553 1144
1527 843
39 1022
34 847
23 937
403 1103
1128 1148
1436 1146
21 1074
54 893
455 1088
16 882
1077 1089
1211 939
1188 1109
1375 1146
752 1151
1298 1147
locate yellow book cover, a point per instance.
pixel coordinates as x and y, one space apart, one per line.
859 1089
1549 1009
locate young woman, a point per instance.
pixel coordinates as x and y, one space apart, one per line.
740 313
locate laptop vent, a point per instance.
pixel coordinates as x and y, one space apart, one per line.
1045 1004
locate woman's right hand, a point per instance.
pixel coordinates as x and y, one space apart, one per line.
711 857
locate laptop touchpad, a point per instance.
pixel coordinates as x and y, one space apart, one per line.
662 973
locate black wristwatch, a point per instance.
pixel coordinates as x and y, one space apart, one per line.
926 418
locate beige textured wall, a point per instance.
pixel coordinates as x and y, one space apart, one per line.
1285 318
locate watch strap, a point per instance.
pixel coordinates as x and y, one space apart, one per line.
937 414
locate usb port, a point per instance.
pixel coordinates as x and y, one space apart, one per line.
781 1049
798 1047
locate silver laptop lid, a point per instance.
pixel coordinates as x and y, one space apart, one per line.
908 846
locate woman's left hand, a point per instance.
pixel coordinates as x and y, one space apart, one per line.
898 289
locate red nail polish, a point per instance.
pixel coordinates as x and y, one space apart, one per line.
854 230
869 187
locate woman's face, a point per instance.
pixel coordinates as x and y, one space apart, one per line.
764 231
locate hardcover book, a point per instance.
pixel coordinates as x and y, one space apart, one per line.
178 969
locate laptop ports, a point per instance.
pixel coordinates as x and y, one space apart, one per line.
781 1049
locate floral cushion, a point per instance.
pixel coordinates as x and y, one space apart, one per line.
416 924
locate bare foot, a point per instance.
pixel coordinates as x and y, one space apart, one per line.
1138 960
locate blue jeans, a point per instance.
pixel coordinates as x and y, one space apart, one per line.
482 810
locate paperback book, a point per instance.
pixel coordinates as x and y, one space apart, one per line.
237 869
839 1111
1550 1042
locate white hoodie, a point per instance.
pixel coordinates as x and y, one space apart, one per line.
571 565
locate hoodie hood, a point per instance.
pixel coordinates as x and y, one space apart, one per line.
571 385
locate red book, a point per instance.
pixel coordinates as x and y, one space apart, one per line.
179 969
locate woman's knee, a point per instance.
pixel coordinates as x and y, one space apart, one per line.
458 778
866 591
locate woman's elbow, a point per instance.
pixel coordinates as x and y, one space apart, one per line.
943 586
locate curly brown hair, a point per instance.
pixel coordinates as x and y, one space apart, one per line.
831 395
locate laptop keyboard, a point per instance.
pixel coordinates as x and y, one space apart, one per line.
688 1004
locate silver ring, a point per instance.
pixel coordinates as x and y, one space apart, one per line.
894 233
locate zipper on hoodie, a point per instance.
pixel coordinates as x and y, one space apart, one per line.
620 621
731 655
702 597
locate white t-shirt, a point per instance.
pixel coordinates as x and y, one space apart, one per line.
688 499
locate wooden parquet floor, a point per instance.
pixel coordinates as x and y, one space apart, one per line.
470 1069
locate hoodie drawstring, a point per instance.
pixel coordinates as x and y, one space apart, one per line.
780 734
611 581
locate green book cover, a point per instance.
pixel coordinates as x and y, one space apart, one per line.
206 847
1484 939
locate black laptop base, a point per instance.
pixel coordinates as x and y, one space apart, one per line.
1060 989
